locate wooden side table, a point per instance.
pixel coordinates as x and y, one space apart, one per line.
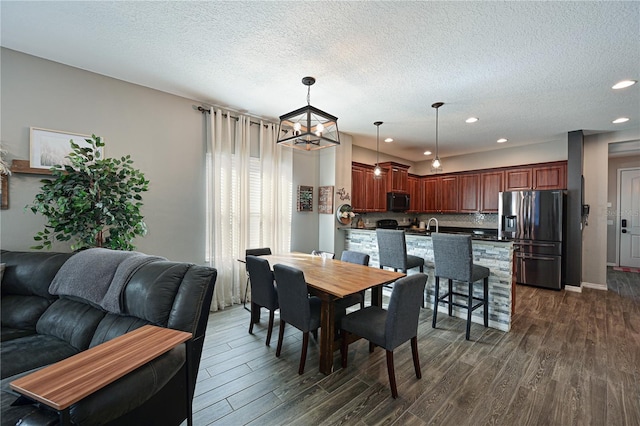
64 383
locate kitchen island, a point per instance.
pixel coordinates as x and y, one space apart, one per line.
495 255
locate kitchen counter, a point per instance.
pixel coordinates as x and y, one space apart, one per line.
494 254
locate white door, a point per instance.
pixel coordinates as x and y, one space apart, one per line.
630 218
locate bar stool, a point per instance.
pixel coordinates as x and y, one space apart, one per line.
453 258
392 251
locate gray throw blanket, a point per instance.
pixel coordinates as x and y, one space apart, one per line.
99 276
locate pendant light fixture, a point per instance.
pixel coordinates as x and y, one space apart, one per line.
377 171
436 165
308 128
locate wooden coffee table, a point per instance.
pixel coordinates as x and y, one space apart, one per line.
64 383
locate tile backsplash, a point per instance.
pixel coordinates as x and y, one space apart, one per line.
471 220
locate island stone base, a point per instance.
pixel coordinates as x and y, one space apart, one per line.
495 255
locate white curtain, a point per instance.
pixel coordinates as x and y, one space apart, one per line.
249 199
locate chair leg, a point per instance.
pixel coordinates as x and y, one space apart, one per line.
344 347
246 288
416 358
486 302
371 347
435 302
280 337
315 334
450 297
251 324
392 374
362 301
270 329
469 310
303 356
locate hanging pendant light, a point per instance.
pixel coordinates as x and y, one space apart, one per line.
436 165
377 171
308 128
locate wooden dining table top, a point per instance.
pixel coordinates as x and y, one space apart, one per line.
333 276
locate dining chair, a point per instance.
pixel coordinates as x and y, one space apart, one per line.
392 251
296 307
262 251
389 328
324 254
359 259
263 292
453 259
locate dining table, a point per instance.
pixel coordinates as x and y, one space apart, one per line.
330 280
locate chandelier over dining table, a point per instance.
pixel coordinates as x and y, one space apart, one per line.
308 128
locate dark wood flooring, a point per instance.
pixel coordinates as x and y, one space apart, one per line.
570 359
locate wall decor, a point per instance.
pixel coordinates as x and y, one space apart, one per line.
305 198
325 199
345 214
344 195
4 191
50 147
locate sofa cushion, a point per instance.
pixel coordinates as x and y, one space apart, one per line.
26 353
71 321
20 312
113 325
30 273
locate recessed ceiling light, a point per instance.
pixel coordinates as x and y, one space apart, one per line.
620 120
427 153
623 84
502 140
388 140
471 120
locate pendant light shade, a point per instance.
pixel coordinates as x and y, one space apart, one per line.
308 128
377 171
436 165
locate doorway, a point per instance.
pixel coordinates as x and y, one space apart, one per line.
628 225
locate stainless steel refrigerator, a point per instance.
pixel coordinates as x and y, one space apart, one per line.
534 220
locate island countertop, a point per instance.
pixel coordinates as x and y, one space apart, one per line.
497 255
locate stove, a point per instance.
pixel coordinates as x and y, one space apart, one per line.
387 224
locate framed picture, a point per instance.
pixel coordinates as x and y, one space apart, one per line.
305 198
325 200
50 147
4 191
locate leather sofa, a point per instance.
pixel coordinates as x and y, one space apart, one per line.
39 329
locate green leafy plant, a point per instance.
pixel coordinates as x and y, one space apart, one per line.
95 202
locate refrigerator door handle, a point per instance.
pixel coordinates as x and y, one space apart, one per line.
531 243
533 257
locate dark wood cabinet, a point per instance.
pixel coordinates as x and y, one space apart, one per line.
397 176
415 194
518 179
430 194
358 189
469 193
491 184
440 194
551 176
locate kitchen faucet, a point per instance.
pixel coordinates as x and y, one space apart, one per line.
429 223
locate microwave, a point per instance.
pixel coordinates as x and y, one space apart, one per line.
397 202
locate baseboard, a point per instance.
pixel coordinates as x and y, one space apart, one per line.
595 286
573 288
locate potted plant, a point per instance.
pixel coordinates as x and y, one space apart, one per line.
95 202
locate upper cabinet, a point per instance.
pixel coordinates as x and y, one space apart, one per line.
466 192
397 176
537 177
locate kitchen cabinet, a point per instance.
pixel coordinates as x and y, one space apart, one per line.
550 176
469 193
440 194
415 194
518 179
491 184
397 176
375 192
537 177
358 190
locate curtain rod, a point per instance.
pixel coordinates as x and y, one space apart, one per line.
208 111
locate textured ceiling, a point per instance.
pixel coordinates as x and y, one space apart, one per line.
531 71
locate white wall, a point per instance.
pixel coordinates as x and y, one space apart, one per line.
162 133
613 219
595 167
304 225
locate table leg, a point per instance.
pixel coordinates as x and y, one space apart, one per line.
376 295
327 334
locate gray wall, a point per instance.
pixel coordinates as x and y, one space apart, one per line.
162 133
613 217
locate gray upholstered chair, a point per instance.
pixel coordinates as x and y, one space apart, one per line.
359 259
453 258
262 251
296 307
392 251
389 328
263 292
